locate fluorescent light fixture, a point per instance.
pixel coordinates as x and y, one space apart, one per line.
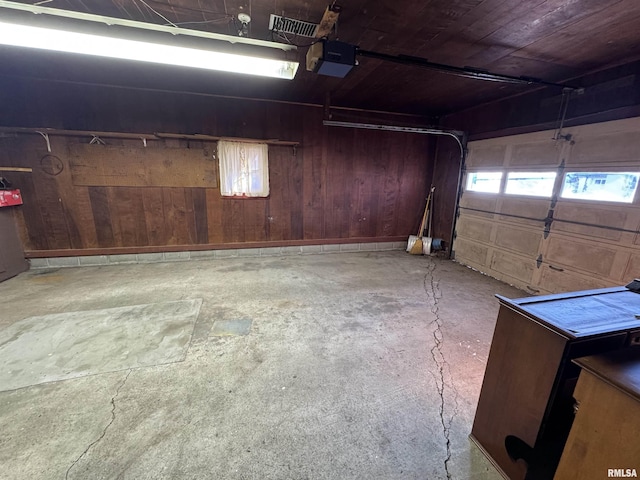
62 39
73 42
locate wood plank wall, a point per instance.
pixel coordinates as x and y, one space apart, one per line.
339 184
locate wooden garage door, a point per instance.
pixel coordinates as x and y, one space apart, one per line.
545 235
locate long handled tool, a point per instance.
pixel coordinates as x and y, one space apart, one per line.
414 244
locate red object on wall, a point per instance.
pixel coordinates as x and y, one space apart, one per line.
10 198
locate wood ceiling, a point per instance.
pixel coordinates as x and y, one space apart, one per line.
555 40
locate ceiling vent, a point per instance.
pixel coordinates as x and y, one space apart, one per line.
278 23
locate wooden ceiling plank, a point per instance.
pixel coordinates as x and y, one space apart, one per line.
487 40
435 22
488 52
619 39
540 23
478 23
392 20
573 58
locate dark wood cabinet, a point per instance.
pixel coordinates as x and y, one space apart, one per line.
12 260
525 410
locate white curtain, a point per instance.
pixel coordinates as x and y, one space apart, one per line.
244 169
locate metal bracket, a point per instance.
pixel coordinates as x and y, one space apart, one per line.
547 223
97 140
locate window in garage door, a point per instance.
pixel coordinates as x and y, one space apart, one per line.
603 186
484 181
536 184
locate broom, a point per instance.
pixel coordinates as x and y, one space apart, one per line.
415 248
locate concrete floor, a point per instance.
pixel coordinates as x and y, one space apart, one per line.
343 366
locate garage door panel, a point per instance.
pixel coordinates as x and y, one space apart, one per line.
556 281
636 237
608 217
469 251
530 208
612 148
586 256
479 202
520 240
475 229
602 233
489 156
633 267
514 266
535 154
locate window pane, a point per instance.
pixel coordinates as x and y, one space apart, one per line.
537 184
604 186
484 181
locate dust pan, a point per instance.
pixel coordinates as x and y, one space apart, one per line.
414 244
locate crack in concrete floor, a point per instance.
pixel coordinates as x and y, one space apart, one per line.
434 294
104 431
